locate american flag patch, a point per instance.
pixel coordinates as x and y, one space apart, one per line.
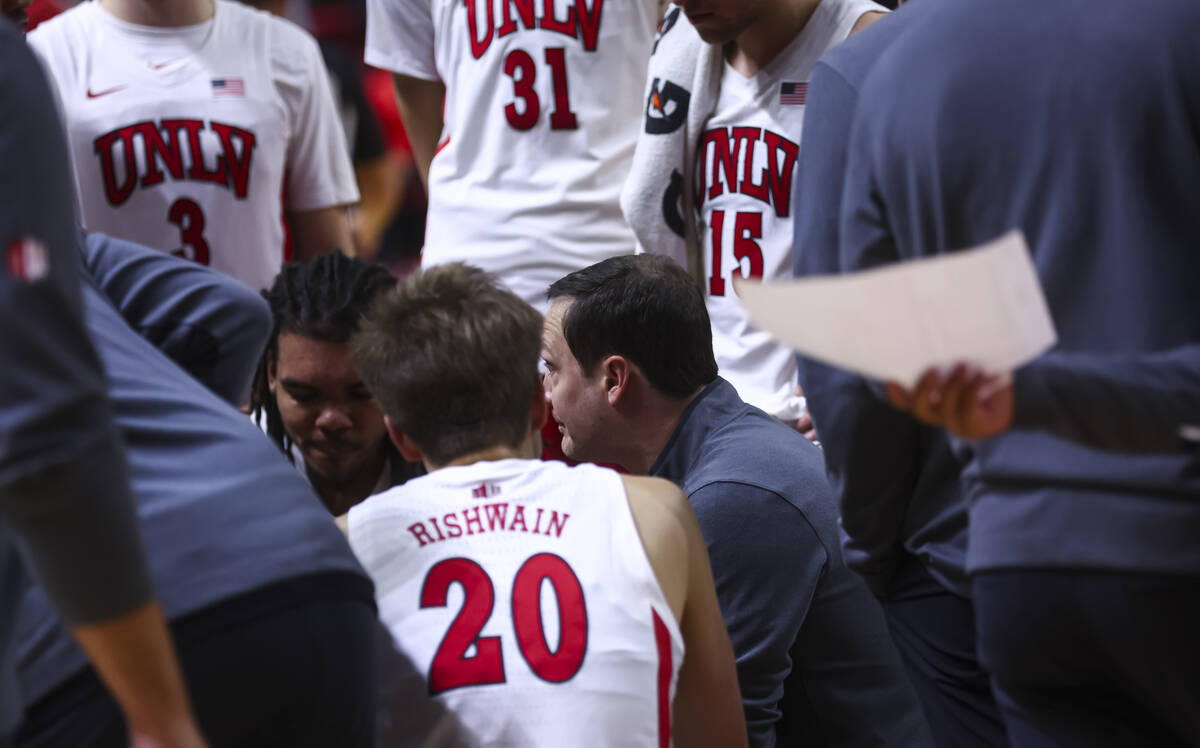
793 94
484 490
26 259
227 87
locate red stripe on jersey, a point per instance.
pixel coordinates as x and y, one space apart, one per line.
441 145
662 641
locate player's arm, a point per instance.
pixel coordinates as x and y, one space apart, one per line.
1133 402
708 708
208 323
320 231
380 182
420 105
320 177
64 487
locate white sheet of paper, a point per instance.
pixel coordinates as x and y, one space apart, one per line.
982 305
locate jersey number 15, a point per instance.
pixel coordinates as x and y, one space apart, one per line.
451 668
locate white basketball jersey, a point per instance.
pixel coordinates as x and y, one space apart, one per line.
543 107
746 170
522 590
181 137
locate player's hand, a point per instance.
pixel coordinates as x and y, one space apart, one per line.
804 424
969 402
14 10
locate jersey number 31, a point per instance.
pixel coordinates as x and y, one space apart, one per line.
452 668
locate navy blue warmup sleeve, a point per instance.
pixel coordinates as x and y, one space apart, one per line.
1121 402
64 486
207 322
766 563
870 448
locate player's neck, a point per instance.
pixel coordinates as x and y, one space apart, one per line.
339 496
491 454
166 13
758 45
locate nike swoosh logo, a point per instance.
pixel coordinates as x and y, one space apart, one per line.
97 94
162 65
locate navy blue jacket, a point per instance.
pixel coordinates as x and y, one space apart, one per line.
65 502
816 664
1074 121
1124 402
222 513
897 482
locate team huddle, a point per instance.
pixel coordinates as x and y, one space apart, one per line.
554 487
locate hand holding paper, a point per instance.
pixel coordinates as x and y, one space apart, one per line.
982 305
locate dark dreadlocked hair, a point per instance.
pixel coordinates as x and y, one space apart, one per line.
323 300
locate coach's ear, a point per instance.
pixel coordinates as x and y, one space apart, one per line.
615 373
407 448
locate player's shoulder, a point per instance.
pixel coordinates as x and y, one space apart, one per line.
282 41
67 32
655 496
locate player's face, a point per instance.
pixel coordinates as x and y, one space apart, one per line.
576 399
326 409
721 21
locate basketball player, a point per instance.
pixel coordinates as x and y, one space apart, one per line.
307 395
552 606
542 103
631 376
66 514
743 69
183 118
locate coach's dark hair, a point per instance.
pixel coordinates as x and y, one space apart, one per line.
324 300
645 308
452 358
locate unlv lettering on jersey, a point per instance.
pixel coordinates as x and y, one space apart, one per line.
164 145
579 21
729 152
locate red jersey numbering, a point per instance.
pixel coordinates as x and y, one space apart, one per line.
452 668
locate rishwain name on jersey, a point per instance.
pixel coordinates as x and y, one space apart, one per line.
577 19
183 148
495 517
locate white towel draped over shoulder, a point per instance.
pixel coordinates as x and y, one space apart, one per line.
682 84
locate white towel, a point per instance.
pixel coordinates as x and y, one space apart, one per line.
682 84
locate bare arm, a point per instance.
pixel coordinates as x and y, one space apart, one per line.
134 657
708 706
318 232
420 104
866 19
380 182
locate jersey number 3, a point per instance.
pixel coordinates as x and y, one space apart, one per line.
189 217
452 668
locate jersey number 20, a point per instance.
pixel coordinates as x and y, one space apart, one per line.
451 668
